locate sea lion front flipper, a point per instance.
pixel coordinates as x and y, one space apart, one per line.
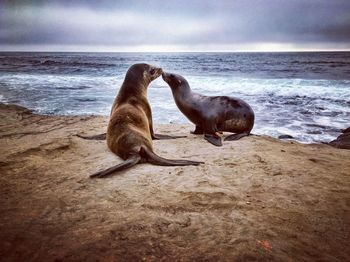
154 135
94 137
162 137
236 136
159 136
213 139
198 131
126 164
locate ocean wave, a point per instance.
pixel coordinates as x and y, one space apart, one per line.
73 87
23 61
75 63
85 99
2 99
337 63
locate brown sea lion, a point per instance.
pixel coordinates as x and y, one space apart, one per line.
211 114
130 129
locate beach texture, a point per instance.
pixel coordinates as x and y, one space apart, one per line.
258 198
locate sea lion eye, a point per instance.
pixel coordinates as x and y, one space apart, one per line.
172 76
152 71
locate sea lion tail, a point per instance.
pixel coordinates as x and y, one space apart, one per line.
94 137
152 158
133 160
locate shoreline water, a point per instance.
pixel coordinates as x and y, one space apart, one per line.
341 141
282 136
305 95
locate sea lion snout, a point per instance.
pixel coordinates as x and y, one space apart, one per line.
155 72
171 79
165 76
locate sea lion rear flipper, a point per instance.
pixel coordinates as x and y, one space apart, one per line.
236 136
162 137
213 139
126 164
94 137
152 158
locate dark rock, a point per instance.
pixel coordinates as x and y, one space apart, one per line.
285 137
347 130
342 141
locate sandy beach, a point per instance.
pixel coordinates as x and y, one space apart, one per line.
258 198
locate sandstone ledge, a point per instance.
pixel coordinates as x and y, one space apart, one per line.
258 198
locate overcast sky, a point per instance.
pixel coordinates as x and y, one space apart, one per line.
181 25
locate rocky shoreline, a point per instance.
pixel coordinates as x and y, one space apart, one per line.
343 140
258 198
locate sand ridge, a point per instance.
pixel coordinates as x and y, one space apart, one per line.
258 198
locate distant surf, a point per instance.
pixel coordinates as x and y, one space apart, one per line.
305 95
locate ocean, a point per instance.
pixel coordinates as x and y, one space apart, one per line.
305 95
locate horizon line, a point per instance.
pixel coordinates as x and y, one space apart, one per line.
239 48
180 51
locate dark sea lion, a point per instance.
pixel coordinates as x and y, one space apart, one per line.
130 129
211 114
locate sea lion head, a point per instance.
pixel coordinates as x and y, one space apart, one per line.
143 72
174 81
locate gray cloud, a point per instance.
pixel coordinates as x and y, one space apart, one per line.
187 23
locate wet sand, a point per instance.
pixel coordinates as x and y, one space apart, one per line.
258 198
